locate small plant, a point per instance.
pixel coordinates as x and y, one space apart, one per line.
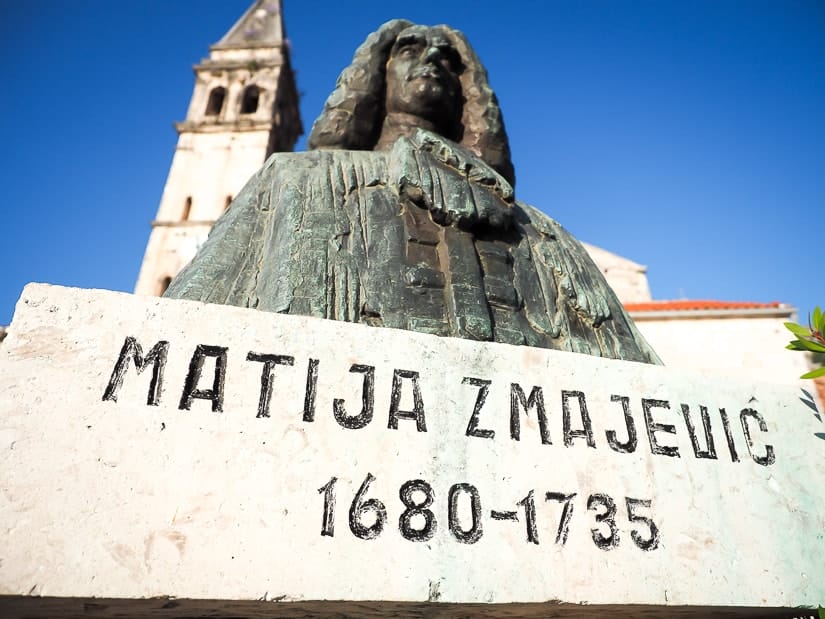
810 339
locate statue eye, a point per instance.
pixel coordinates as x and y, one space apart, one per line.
409 49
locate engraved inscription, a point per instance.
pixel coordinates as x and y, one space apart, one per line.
540 412
419 503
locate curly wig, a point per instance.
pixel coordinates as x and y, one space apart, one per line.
354 112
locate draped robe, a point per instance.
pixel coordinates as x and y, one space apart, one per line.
425 237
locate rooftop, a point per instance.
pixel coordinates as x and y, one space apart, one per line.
700 304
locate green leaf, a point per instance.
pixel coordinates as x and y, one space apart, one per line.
819 320
798 330
812 346
822 612
814 373
805 344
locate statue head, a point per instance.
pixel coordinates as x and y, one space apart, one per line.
427 73
422 80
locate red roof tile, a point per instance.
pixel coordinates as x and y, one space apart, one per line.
697 305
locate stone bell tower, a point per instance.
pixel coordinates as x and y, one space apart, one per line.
244 107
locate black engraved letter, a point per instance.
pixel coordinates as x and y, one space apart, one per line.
132 351
569 434
312 388
356 422
190 390
734 457
710 452
632 441
269 361
769 457
395 399
652 428
536 399
484 387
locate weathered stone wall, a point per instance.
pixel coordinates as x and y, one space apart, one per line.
259 458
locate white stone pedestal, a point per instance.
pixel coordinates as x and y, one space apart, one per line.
270 465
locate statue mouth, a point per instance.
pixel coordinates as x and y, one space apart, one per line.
430 73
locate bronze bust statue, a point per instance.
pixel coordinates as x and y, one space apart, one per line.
402 214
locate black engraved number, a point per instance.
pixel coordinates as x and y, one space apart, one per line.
414 509
360 507
328 490
529 505
608 517
652 541
566 514
473 534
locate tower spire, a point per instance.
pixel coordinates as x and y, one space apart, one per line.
260 26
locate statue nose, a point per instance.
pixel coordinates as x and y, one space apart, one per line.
432 54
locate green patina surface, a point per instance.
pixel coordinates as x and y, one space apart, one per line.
388 222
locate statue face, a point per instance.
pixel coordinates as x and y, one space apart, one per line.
422 76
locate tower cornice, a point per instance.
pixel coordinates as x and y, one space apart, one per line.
210 64
188 126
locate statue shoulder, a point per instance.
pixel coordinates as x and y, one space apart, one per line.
543 223
581 282
286 163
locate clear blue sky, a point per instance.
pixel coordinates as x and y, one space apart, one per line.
687 136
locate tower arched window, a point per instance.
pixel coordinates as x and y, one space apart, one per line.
249 102
215 103
164 284
187 207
